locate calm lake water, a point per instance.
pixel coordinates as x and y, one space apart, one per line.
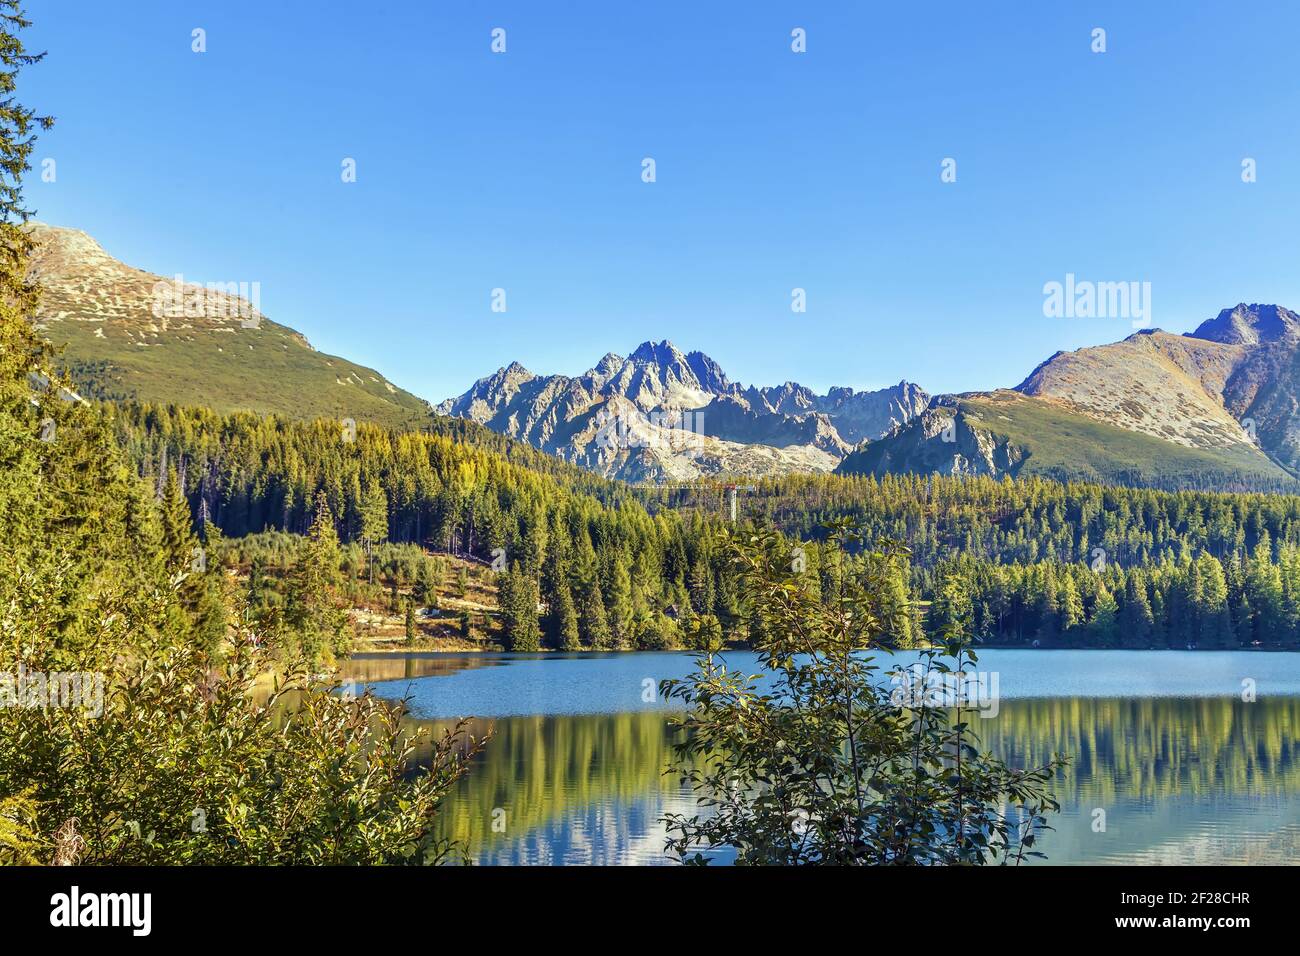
1185 771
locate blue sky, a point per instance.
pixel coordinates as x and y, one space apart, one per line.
775 170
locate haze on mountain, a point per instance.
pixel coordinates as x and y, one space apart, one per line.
661 414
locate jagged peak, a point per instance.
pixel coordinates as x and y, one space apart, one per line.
708 372
1248 324
663 352
513 373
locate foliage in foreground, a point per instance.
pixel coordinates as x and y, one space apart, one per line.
816 760
191 762
156 747
131 729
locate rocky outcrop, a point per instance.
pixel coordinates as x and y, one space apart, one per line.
945 439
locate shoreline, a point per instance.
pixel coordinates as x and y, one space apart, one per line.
546 651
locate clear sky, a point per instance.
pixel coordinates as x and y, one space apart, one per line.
775 170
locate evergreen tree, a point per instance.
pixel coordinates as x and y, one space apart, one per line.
1137 622
1101 626
1215 625
1069 605
311 615
1264 594
426 591
374 521
618 597
180 544
518 598
562 620
258 590
594 623
701 586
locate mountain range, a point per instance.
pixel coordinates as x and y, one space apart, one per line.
1215 408
658 414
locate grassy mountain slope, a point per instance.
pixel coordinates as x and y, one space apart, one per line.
101 313
1005 432
1166 386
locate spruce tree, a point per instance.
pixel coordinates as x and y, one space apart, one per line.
310 611
517 600
425 589
563 619
1136 620
1215 625
618 603
1069 604
1101 626
374 522
594 622
180 544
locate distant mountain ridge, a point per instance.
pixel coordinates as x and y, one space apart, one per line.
732 429
1219 406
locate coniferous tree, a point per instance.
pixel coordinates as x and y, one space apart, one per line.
426 591
1101 625
1215 625
374 521
1069 604
311 615
1137 622
593 621
563 619
180 544
618 597
518 600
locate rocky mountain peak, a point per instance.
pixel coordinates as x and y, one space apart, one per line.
708 373
1249 325
657 353
62 251
749 430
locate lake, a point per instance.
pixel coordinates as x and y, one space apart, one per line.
1162 742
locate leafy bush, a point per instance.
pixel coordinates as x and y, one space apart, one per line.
814 760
